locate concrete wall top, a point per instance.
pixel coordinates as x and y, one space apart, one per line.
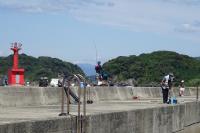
24 96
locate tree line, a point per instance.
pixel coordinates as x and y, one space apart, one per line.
149 69
39 67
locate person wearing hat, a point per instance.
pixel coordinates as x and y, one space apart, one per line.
166 85
181 88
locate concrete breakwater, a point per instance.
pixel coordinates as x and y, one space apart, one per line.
114 111
152 120
160 119
28 96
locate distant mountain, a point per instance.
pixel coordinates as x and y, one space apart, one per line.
147 69
198 58
88 69
41 66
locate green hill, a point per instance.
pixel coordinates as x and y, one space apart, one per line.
149 69
198 58
41 66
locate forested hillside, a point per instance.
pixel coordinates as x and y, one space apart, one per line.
38 67
148 69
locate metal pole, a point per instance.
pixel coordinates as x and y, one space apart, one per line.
197 93
62 99
79 106
62 102
84 104
87 94
84 101
84 108
79 103
82 124
84 95
68 100
90 94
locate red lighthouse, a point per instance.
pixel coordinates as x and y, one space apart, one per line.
16 75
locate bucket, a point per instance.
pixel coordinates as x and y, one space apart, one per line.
173 100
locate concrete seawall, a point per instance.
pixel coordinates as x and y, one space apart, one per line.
114 111
165 119
153 120
28 96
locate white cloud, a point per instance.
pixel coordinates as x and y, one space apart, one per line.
49 5
159 16
141 15
184 2
190 27
33 5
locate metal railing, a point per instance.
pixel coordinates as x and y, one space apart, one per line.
66 83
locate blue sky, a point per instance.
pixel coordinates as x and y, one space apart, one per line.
70 29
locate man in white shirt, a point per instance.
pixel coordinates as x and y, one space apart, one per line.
166 85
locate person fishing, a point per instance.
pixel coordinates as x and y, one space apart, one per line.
99 70
181 88
101 75
166 85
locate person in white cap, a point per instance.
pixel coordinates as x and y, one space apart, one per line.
181 88
166 85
